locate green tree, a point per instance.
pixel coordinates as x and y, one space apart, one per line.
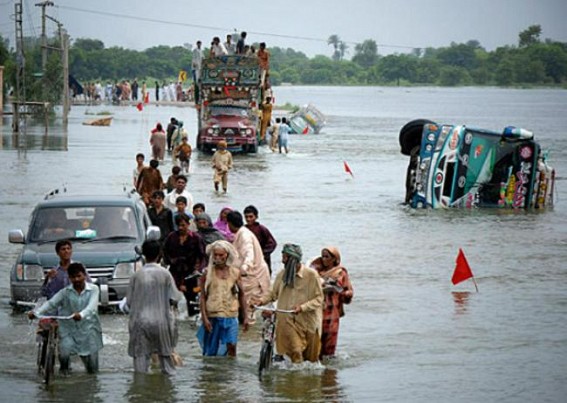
553 57
366 53
398 67
343 50
335 41
453 75
88 45
504 74
460 55
530 36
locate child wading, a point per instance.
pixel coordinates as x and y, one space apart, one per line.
222 163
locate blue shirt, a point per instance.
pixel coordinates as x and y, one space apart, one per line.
54 284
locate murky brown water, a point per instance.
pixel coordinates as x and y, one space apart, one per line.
409 334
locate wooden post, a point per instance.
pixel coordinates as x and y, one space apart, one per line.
46 116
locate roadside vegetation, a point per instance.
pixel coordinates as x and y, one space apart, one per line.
532 63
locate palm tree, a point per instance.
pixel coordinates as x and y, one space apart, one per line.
342 49
335 41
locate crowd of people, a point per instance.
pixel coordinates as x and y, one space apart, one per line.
125 90
227 262
233 277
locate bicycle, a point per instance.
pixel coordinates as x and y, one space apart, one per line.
268 337
196 300
48 346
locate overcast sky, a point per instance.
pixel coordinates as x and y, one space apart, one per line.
304 25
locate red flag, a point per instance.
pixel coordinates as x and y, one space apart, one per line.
347 169
147 98
140 106
306 130
462 269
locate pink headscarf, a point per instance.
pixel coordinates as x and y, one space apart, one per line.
222 226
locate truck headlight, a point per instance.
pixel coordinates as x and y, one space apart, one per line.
124 270
29 272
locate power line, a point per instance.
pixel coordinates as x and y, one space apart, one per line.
212 28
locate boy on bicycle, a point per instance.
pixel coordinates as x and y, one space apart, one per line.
83 335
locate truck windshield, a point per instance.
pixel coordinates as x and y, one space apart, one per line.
228 111
88 222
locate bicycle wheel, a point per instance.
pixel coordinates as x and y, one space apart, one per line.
41 346
265 357
49 367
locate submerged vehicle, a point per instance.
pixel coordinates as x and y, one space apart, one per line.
307 120
459 166
229 94
104 231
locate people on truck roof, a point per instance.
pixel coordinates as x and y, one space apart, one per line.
217 48
240 44
229 45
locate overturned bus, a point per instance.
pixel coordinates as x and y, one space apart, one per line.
459 166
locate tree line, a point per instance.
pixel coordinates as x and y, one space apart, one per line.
533 62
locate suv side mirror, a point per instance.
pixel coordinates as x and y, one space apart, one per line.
16 236
153 233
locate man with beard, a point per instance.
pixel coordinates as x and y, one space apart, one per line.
297 288
222 297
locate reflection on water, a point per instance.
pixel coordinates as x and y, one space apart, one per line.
33 140
145 388
461 300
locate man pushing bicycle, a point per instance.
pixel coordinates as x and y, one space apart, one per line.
297 288
82 335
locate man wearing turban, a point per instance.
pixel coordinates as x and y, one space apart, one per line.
297 288
222 296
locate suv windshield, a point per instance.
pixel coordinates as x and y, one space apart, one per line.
88 222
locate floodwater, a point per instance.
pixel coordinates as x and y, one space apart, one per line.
409 335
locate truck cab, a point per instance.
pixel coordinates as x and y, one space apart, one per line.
229 95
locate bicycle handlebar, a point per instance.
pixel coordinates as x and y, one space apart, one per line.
56 317
268 309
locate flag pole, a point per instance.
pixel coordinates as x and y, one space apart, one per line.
475 285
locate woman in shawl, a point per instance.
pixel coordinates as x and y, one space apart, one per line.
338 291
157 141
222 225
205 228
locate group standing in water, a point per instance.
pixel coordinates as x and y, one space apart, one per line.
234 277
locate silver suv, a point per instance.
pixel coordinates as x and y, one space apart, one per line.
104 231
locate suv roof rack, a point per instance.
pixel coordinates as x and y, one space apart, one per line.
54 192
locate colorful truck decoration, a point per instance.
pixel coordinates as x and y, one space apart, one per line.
458 166
227 105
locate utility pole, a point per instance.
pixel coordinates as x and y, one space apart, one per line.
20 66
43 33
65 56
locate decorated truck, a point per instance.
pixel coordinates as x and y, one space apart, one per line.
460 166
229 96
